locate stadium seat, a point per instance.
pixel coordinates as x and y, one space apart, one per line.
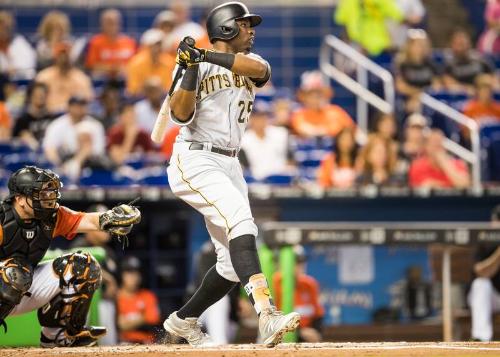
91 177
280 180
13 147
154 176
14 162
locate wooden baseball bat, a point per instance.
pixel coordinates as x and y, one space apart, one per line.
162 119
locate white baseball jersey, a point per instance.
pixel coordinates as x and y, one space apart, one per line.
223 106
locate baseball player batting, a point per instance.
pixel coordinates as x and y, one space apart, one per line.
61 290
212 102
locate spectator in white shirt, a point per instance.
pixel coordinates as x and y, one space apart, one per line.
265 149
73 138
17 57
146 110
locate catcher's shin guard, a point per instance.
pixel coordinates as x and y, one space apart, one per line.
79 277
16 276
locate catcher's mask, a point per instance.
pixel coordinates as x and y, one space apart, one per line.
41 186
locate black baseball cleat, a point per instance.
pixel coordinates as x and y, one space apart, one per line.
85 338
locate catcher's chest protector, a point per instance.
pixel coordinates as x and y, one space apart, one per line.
30 241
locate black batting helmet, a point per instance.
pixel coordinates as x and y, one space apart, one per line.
221 21
40 185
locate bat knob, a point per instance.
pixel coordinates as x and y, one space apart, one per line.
189 41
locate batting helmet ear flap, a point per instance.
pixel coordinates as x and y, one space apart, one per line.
221 21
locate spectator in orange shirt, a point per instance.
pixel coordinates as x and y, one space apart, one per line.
436 169
337 168
138 312
318 117
150 62
110 51
64 80
483 108
306 299
5 123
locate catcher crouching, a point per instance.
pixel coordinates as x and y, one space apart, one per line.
62 289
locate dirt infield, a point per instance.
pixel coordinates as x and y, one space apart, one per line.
399 349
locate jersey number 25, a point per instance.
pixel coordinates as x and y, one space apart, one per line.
245 110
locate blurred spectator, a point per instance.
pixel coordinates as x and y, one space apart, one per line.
5 122
64 80
55 28
282 111
436 169
483 107
127 137
338 167
109 51
165 22
31 125
110 276
318 117
167 147
366 22
377 161
306 299
415 69
17 57
414 138
386 126
418 294
150 62
484 294
138 311
74 138
146 110
264 146
184 26
489 42
107 109
463 64
413 14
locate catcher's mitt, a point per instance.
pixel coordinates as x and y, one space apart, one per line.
120 219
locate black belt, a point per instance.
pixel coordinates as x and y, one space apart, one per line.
217 150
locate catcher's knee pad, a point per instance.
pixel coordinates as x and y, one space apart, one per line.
243 228
16 275
79 277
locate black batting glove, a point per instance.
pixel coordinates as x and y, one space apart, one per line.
189 55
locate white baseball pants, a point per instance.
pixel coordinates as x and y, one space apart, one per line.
484 300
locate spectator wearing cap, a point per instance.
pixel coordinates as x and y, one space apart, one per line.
17 57
165 22
64 80
150 62
317 117
110 276
463 65
147 109
31 125
184 26
264 146
338 168
306 299
414 139
109 51
415 69
127 137
73 138
436 169
138 311
55 28
483 108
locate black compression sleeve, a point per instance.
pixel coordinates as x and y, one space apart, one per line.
190 78
225 60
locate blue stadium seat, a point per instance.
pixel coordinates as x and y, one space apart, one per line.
13 147
14 162
279 180
154 176
490 152
91 177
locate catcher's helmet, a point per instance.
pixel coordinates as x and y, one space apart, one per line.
221 21
40 185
